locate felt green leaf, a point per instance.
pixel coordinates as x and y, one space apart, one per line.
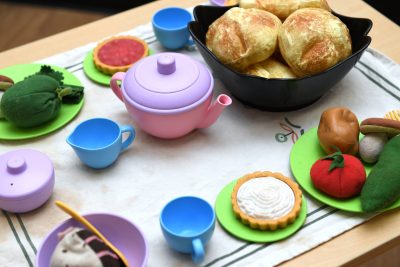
47 70
337 160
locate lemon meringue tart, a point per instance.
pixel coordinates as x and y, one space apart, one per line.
266 200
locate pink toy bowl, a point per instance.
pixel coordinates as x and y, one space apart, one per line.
26 180
122 233
169 95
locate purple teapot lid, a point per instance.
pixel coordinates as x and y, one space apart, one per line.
167 81
23 173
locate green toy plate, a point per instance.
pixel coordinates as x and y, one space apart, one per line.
94 74
68 111
228 220
304 153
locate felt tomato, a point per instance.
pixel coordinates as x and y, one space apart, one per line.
338 175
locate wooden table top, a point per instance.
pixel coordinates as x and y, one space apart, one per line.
354 246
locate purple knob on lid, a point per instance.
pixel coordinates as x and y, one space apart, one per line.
16 164
166 64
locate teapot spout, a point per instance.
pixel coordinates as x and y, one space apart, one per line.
215 110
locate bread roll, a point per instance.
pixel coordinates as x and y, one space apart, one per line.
312 40
271 69
283 8
242 37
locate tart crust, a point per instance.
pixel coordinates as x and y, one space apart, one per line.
108 69
281 222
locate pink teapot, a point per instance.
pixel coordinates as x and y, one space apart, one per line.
169 95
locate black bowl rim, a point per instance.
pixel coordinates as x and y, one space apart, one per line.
354 54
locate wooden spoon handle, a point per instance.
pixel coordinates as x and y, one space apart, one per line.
90 227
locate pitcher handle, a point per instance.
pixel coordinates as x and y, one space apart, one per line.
127 129
119 76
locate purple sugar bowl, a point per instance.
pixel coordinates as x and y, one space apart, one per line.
122 233
26 180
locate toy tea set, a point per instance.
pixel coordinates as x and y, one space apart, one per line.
169 95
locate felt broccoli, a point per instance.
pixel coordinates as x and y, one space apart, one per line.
37 99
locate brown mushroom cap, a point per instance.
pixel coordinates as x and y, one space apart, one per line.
380 125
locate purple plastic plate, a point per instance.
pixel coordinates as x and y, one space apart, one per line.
222 3
218 2
119 231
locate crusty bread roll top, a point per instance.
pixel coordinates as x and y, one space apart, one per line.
283 8
312 40
242 37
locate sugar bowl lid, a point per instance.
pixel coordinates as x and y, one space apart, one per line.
167 81
24 173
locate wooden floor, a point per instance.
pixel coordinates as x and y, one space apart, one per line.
24 23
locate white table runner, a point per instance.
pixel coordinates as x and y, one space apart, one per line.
153 171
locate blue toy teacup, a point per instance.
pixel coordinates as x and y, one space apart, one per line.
98 142
187 224
170 26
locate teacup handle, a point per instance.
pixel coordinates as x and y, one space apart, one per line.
119 76
127 129
198 251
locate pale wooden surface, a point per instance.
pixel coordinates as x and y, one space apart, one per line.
352 248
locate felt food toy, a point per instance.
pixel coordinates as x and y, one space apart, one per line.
118 53
393 115
338 128
37 99
242 37
380 125
80 247
283 9
312 40
371 146
271 69
5 82
383 183
377 131
338 175
266 200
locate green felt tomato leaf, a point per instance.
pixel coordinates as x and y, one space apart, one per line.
337 160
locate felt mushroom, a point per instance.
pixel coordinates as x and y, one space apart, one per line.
371 146
377 131
380 125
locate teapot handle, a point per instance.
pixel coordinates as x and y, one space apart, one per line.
119 76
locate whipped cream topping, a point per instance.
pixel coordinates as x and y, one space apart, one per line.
265 198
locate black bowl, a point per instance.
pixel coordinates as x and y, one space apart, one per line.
277 94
